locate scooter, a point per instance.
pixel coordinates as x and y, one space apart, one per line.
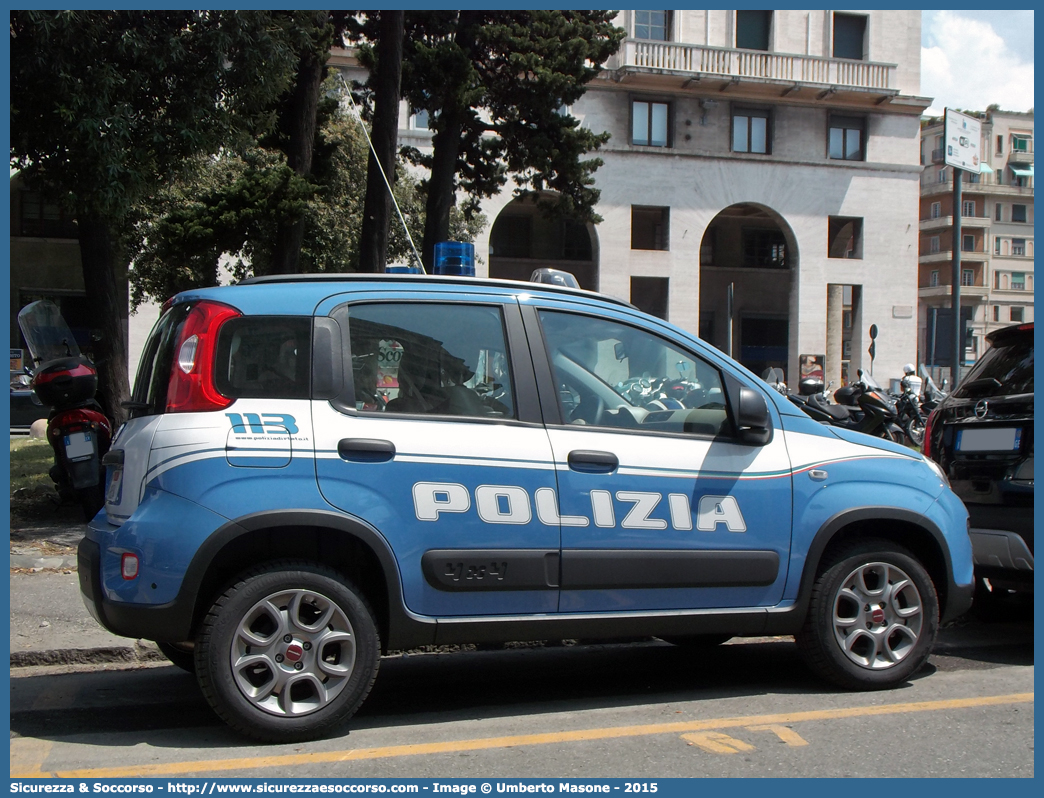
66 381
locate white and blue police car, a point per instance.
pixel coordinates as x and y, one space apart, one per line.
320 469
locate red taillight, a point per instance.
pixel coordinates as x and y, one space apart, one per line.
926 445
129 566
191 386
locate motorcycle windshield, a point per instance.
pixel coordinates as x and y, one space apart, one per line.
870 382
46 333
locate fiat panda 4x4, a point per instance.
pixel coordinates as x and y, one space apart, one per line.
319 470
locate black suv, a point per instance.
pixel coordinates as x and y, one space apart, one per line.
982 436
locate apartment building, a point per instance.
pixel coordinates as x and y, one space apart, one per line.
996 237
774 151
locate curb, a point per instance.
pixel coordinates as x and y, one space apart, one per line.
87 656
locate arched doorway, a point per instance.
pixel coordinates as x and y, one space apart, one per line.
524 238
752 248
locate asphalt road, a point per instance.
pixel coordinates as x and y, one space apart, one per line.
640 710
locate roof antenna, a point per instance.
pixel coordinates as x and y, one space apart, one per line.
355 112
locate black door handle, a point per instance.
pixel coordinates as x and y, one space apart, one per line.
366 450
593 462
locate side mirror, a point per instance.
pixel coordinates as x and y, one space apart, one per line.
752 417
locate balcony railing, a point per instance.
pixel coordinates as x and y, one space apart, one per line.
701 59
1021 156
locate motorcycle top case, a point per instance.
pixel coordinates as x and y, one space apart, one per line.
65 382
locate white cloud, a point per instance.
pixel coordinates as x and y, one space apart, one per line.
970 66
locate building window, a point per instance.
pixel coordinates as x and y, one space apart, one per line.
650 227
846 350
649 295
764 249
996 308
1018 246
1018 281
1015 314
849 36
974 177
933 245
846 138
967 243
846 319
1020 143
967 277
420 120
968 208
936 210
652 25
933 278
845 237
511 237
1000 213
996 245
1018 213
41 219
1000 145
750 131
752 29
650 123
942 174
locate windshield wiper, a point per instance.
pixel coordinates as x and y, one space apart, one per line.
982 384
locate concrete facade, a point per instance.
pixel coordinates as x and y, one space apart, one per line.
996 230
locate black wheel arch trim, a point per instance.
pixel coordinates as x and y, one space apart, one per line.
955 601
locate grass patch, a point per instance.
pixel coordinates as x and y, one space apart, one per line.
31 459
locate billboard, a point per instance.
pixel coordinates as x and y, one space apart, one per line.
961 145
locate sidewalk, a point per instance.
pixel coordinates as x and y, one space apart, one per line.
49 623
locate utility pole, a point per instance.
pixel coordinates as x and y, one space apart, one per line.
958 338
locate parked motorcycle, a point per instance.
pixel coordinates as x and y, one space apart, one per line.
862 406
66 381
908 408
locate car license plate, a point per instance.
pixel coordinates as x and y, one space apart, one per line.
78 446
115 492
994 439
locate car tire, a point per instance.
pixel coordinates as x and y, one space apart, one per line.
184 658
288 652
873 617
697 642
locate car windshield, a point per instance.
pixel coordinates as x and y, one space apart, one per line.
1002 371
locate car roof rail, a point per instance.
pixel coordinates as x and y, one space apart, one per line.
518 285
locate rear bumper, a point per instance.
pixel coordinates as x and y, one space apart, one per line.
169 622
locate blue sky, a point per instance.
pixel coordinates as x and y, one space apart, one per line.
970 59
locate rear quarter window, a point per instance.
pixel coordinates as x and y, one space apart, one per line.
264 357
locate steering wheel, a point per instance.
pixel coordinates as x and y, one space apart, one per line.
586 416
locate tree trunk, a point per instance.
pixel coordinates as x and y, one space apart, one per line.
300 116
108 310
377 207
442 184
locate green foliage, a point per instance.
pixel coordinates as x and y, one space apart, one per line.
226 209
506 77
106 104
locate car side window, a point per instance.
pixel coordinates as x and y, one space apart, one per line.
430 359
610 374
264 357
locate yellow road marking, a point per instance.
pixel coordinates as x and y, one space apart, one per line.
27 757
789 736
580 735
717 742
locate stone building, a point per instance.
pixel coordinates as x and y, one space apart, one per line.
776 151
996 237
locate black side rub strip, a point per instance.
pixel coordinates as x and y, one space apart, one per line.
616 569
457 570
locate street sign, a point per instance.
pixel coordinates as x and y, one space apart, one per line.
961 135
